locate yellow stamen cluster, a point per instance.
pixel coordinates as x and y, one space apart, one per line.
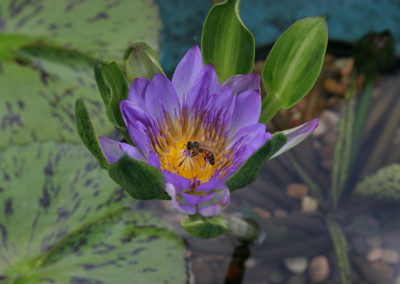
170 145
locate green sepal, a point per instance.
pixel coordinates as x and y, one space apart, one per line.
226 42
88 134
204 227
139 179
293 65
113 88
141 61
248 172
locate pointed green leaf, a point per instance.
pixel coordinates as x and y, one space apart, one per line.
248 172
141 61
113 88
88 134
204 227
383 185
340 245
139 179
293 65
226 42
65 221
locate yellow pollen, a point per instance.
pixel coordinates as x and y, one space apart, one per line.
171 147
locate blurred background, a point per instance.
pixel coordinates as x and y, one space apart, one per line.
328 209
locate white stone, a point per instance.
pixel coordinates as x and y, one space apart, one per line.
308 204
296 264
390 256
374 254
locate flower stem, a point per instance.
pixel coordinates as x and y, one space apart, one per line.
244 230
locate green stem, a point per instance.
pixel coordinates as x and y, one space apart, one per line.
270 106
343 147
243 230
361 115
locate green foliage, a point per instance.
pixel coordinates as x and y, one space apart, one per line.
141 61
293 65
139 179
383 185
340 245
98 28
226 42
39 90
248 172
375 53
88 134
204 227
46 60
113 88
64 220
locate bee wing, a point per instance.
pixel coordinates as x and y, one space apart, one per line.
210 146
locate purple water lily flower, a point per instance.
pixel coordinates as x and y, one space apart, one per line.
219 120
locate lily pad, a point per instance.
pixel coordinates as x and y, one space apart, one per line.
99 28
39 93
64 221
47 53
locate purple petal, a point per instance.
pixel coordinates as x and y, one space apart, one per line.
214 206
213 86
297 135
247 110
180 183
241 83
132 113
154 160
187 71
211 184
137 90
114 150
184 208
160 96
140 138
247 140
191 199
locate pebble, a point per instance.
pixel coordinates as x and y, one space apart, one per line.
384 269
318 269
390 256
263 213
330 117
374 254
297 190
280 213
296 264
397 280
308 204
297 279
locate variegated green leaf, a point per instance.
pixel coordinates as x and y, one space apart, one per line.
98 28
65 221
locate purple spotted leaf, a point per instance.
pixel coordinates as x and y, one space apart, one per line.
64 221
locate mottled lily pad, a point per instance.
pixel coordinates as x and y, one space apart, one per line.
63 220
47 52
38 96
99 28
